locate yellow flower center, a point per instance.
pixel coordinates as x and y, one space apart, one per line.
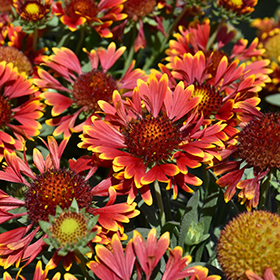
32 8
272 47
237 2
69 227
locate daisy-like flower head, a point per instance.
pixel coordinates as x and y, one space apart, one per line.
70 230
33 13
50 187
19 60
250 242
235 9
230 96
258 147
144 256
196 37
153 141
140 12
84 89
18 119
98 14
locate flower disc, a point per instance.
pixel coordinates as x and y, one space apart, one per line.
250 241
91 87
152 139
55 188
259 142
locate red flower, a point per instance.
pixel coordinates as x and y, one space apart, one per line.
98 14
20 119
53 186
85 89
153 141
258 147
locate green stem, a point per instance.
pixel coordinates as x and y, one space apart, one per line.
131 52
64 40
82 265
167 205
81 40
159 201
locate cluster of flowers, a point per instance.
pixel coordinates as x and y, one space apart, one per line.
88 140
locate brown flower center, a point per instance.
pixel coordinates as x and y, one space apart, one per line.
136 9
259 142
91 87
5 6
11 54
55 188
152 139
211 100
5 111
69 227
272 46
85 8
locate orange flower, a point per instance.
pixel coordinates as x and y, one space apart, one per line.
153 141
98 14
258 147
20 119
144 256
50 187
84 89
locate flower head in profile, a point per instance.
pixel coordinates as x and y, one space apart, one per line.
257 148
19 108
235 9
151 138
84 89
51 186
98 14
248 243
142 257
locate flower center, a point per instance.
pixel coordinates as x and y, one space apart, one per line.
250 241
55 188
272 47
69 227
5 111
33 11
211 100
11 54
152 139
5 6
91 87
136 9
236 3
259 142
85 8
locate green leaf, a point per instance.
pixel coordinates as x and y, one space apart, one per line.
191 216
273 99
